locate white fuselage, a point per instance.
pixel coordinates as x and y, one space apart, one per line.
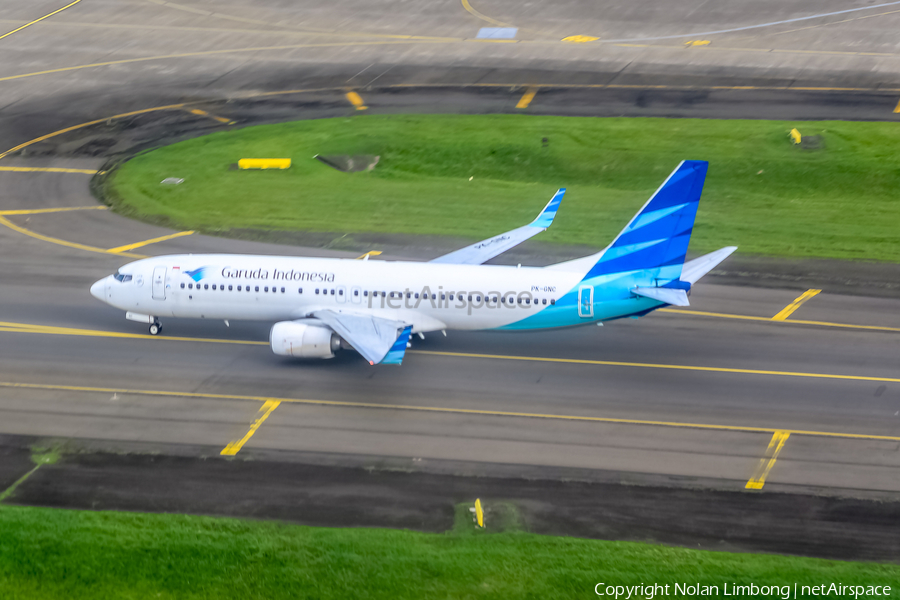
428 296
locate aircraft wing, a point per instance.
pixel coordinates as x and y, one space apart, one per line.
485 250
380 341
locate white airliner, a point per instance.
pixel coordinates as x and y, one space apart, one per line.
321 305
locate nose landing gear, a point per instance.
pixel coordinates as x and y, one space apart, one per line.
155 327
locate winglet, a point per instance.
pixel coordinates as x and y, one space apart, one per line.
398 350
545 219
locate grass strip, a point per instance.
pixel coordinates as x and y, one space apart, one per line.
51 553
476 176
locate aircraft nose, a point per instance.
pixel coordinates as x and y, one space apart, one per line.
98 290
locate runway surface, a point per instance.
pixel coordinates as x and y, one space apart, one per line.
720 396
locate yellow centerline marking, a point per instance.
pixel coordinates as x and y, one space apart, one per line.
203 113
700 313
45 238
797 303
48 170
526 98
52 330
41 211
758 480
235 446
39 20
613 363
370 254
897 108
161 238
356 100
475 13
445 410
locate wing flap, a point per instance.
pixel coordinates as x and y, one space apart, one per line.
373 337
485 250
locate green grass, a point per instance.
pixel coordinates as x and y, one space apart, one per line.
48 553
762 193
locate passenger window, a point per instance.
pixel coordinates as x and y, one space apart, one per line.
300 291
266 289
417 295
229 288
356 292
544 301
451 296
257 288
443 296
366 293
182 286
340 292
190 286
552 301
282 290
332 292
470 298
239 288
205 286
317 290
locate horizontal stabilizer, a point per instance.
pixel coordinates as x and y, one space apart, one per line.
485 250
693 270
667 295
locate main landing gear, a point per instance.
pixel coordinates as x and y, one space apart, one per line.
155 327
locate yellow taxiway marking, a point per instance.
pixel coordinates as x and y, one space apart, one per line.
39 20
758 480
161 238
356 100
475 13
445 410
526 98
48 170
614 363
235 446
368 255
203 113
700 313
45 238
53 330
897 108
41 211
797 303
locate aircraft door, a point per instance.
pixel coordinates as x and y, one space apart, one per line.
586 301
159 283
355 295
341 294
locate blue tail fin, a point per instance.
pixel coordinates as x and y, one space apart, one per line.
656 239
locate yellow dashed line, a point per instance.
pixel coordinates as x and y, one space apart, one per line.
447 410
790 308
897 108
356 100
41 19
758 480
368 255
235 446
41 211
203 113
526 98
48 170
148 242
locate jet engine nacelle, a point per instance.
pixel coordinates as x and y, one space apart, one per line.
303 340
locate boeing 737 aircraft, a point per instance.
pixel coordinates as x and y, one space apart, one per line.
321 305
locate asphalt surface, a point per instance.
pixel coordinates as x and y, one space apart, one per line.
195 395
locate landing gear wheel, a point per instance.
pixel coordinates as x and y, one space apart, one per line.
155 328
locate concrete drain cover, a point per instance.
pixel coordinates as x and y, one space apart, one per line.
349 164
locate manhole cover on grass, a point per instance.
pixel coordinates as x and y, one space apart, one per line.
349 163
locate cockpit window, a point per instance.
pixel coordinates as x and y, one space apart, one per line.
122 277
